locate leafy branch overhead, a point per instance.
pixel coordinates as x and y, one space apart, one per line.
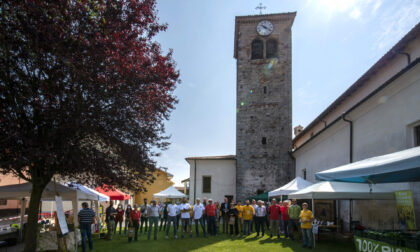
84 90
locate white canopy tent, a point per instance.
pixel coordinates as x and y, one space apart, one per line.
99 196
348 191
170 193
400 166
344 190
293 186
22 192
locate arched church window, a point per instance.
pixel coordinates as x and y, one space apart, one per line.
271 48
257 49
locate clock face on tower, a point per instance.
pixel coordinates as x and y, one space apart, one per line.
265 28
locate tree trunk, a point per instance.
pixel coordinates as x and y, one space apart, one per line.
31 231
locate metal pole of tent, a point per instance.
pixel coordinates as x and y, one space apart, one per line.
313 213
337 213
351 210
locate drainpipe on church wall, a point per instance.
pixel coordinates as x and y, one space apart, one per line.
351 136
351 161
195 178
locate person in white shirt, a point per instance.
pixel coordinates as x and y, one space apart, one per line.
198 217
172 212
260 212
185 217
153 215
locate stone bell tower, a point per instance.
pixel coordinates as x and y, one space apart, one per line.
263 50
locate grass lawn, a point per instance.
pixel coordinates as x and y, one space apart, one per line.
217 243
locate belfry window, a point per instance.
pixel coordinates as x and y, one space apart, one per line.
257 49
264 140
271 49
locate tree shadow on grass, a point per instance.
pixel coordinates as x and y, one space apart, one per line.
221 242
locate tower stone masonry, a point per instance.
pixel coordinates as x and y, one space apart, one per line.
263 50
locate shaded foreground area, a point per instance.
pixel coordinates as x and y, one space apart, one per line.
218 243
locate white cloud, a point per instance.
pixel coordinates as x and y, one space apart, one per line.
330 9
376 6
396 22
355 13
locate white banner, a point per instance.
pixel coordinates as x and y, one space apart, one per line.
60 215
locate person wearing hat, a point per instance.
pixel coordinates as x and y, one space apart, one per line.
210 211
306 219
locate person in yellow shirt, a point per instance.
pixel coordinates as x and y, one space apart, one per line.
239 207
247 214
306 219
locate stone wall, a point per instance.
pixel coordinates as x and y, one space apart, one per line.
264 108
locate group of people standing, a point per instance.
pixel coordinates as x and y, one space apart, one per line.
237 219
278 218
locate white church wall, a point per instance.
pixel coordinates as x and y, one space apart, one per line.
223 178
328 150
381 124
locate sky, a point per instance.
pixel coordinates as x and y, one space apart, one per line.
334 42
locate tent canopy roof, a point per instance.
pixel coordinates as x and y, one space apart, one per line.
170 193
401 166
296 184
99 196
343 190
262 196
20 191
114 194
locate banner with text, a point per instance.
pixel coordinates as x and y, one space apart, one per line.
405 209
60 215
368 245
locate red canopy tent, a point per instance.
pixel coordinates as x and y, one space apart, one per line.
113 194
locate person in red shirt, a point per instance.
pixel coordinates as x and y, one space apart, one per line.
285 217
119 218
274 210
210 211
134 222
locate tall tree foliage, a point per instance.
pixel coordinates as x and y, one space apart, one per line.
84 92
